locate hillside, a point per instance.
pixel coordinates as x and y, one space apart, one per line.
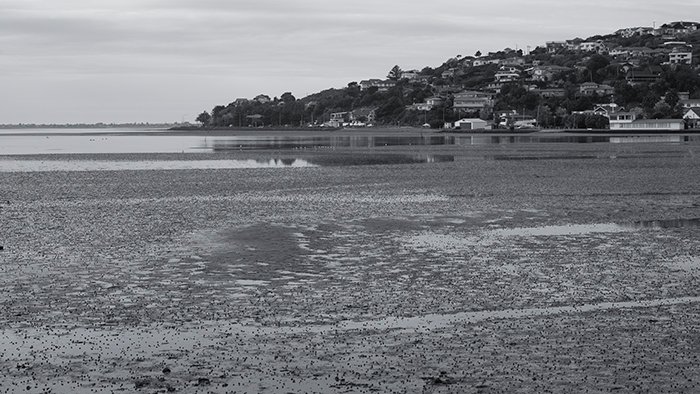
651 72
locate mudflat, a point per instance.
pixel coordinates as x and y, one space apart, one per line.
507 268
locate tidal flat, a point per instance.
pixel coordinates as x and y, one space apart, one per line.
539 267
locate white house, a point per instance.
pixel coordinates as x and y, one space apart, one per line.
507 74
471 124
596 46
606 109
692 116
621 120
434 100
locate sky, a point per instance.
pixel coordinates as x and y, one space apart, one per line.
119 61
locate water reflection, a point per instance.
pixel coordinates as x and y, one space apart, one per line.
23 165
124 142
319 142
367 141
649 139
377 159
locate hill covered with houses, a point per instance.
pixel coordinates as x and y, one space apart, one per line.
638 77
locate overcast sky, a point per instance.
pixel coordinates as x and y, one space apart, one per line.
70 61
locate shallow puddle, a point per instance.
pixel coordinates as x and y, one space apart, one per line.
668 223
432 322
569 229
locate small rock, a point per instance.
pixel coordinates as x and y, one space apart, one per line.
166 370
141 383
203 382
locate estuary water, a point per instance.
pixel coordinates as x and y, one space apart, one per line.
140 140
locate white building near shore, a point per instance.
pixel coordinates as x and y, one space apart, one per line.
650 124
471 124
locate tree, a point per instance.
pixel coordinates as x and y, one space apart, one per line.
395 73
672 98
217 114
204 118
288 97
477 54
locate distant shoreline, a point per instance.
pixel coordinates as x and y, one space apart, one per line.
302 132
30 126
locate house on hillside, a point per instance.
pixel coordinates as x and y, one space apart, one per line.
634 31
435 100
619 51
591 88
650 74
606 109
593 46
485 61
553 92
555 46
419 107
681 55
429 104
366 115
410 74
507 74
546 73
513 61
381 85
678 28
689 103
473 100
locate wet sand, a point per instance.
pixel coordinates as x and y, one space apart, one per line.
514 268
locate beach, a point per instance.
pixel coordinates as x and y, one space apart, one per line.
492 266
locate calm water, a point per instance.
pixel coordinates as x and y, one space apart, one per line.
74 141
11 164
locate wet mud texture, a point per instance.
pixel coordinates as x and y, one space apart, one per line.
564 268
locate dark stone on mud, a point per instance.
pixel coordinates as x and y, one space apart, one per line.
203 382
2 247
166 370
442 379
141 383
